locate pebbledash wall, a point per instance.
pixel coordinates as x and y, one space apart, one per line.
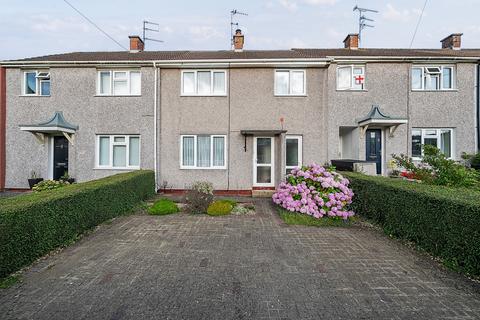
250 103
389 86
73 91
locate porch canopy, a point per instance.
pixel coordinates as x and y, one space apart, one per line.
376 118
56 125
260 132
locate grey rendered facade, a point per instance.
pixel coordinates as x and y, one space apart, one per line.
324 117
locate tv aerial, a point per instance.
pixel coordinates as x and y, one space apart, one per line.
152 27
233 24
363 20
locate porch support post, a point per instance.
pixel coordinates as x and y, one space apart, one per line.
40 137
391 130
283 155
69 137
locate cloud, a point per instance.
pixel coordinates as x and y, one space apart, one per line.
292 5
398 15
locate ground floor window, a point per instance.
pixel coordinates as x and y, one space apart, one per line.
293 152
203 151
118 151
440 138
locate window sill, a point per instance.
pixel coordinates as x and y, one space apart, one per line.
203 95
290 95
198 168
34 96
117 96
351 90
444 90
119 169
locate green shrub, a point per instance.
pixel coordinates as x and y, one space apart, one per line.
31 225
163 206
220 208
294 218
49 185
443 221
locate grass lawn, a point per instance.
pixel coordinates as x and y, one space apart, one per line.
293 218
162 207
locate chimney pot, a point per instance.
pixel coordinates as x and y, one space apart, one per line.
136 44
238 40
351 41
453 41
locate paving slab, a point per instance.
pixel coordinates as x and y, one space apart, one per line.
237 267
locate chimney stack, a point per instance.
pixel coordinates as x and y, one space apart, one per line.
351 41
238 40
453 41
136 44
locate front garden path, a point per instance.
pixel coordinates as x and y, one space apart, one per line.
237 267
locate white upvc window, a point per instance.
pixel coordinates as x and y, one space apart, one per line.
203 151
351 77
119 83
442 138
36 83
290 82
293 152
204 83
117 152
433 78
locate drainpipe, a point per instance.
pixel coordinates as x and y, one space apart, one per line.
155 125
478 106
3 125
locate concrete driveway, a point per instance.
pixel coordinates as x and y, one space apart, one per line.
237 267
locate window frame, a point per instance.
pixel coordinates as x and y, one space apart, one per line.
38 83
440 77
112 143
290 93
438 132
351 67
195 160
112 82
299 139
195 83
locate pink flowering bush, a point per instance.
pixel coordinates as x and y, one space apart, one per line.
316 191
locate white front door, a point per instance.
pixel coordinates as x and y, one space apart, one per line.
263 159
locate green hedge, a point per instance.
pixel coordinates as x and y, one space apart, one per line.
31 225
443 221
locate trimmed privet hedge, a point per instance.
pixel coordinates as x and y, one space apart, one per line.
31 225
443 221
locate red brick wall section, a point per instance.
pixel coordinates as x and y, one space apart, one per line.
3 125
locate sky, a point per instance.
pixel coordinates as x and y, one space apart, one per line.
33 28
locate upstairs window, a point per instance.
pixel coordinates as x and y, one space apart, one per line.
433 78
36 83
440 138
351 78
204 83
289 82
119 83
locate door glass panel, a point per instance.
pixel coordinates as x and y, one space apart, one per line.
416 143
264 150
264 174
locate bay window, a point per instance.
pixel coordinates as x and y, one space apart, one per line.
351 77
293 152
289 82
118 152
204 83
36 83
119 83
440 138
203 152
433 78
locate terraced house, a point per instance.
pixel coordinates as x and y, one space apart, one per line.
240 119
